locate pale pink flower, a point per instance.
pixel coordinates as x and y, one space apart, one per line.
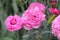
13 23
37 6
32 18
56 27
54 11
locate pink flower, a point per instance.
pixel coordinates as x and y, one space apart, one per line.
37 6
54 11
56 27
13 23
32 18
53 2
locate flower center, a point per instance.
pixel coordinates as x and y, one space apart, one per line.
13 21
34 16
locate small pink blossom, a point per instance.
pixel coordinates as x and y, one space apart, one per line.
13 23
32 18
37 5
53 2
54 11
56 27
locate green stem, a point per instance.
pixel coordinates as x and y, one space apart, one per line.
51 19
20 4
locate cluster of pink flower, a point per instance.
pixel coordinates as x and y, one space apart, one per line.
31 18
53 9
56 22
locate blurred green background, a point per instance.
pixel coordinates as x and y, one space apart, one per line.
11 7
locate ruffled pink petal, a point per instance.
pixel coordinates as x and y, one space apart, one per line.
27 26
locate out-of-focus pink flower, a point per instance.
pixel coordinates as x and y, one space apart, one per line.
33 18
13 23
56 27
53 2
37 5
54 11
